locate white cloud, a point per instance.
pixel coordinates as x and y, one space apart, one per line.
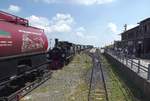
81 32
91 37
38 21
80 2
92 2
49 1
82 29
46 1
86 38
58 24
13 9
112 27
62 23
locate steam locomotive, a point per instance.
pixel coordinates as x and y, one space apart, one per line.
63 52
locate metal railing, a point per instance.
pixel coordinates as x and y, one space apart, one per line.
133 63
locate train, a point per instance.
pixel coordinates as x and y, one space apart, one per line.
23 50
63 52
24 53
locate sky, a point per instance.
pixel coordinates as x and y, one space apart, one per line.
88 22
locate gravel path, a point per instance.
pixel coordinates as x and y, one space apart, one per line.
68 84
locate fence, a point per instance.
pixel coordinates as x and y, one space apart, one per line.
134 64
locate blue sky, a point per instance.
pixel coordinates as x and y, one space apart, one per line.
96 22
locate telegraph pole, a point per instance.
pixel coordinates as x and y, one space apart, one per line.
125 27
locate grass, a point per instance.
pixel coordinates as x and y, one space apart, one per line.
68 84
80 94
119 90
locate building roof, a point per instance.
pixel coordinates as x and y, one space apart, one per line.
132 29
141 22
145 20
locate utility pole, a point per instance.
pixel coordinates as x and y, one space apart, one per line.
125 27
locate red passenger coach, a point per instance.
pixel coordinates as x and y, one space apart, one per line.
22 47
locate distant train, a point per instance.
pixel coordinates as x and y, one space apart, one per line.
63 52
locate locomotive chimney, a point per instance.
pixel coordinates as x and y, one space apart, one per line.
56 42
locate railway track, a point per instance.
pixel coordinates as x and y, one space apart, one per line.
97 89
16 92
16 96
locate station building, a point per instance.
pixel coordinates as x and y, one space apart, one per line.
137 40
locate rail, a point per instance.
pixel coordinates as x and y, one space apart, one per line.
133 63
24 91
90 87
97 93
18 94
36 67
102 74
